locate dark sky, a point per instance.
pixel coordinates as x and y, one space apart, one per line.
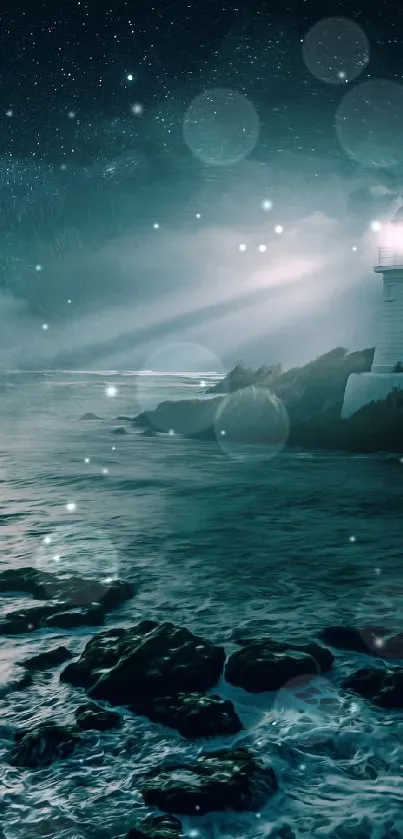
143 144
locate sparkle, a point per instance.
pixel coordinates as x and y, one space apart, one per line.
113 448
45 327
9 113
86 460
354 248
266 205
223 433
194 833
341 74
279 229
378 571
203 383
47 540
69 301
198 215
129 77
156 226
111 391
56 558
38 267
376 226
71 114
262 248
137 109
242 248
105 471
171 432
71 507
352 539
379 642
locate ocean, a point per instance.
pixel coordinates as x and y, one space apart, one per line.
228 546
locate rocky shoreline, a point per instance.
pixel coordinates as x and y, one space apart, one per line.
300 407
172 676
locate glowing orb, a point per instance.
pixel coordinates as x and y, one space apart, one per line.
221 127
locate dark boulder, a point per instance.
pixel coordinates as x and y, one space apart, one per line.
38 747
26 620
228 779
46 660
71 591
267 665
383 687
193 714
92 717
156 660
100 654
374 640
157 827
119 429
91 616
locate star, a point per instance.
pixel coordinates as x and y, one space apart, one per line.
129 77
279 229
137 109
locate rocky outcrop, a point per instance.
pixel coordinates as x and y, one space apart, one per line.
267 665
119 429
242 376
38 747
374 640
47 660
157 827
227 779
71 601
192 714
92 717
160 671
381 686
156 660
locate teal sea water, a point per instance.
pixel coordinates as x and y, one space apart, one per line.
280 546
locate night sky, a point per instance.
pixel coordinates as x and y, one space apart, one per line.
194 172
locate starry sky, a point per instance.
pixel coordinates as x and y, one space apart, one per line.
197 175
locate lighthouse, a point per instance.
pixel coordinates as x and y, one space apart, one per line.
387 369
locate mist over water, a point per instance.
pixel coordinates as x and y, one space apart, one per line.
279 546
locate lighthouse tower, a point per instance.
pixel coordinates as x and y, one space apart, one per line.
387 368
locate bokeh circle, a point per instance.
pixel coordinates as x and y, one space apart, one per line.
167 382
380 620
336 50
369 123
77 550
252 424
221 127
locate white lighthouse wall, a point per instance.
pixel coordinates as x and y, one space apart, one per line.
363 388
389 346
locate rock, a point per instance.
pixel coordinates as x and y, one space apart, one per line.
90 416
156 660
149 432
46 660
374 640
383 687
120 429
193 714
38 747
267 665
242 376
157 827
227 779
92 717
91 616
68 592
27 620
100 654
124 419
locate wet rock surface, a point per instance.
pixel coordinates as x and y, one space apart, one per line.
267 665
381 686
92 717
70 601
193 714
38 747
149 660
156 827
227 779
47 660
